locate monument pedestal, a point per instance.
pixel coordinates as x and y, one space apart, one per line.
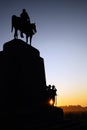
23 83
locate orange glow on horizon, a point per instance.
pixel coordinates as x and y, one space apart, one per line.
66 101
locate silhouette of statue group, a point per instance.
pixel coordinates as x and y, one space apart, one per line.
24 25
51 91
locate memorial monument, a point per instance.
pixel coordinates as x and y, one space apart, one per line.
26 100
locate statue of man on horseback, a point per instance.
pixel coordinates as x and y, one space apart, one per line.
24 25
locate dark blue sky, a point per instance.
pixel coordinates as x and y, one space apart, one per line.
61 38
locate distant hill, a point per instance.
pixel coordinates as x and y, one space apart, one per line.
74 108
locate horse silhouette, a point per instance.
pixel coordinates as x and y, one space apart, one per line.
25 27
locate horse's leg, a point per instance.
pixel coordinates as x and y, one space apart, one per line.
15 34
30 39
21 34
26 39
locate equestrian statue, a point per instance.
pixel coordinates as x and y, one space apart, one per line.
24 25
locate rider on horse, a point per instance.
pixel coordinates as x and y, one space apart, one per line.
25 19
23 24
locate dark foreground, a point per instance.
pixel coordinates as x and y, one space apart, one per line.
72 121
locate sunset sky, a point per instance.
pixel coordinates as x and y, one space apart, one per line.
61 39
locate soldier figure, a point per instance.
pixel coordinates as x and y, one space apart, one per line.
25 19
